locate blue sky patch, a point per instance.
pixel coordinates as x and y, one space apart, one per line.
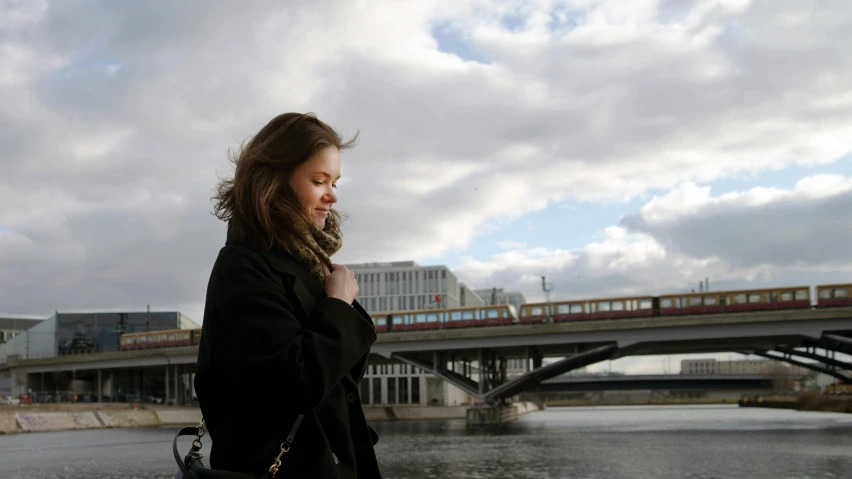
451 40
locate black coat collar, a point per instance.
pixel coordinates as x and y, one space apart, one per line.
312 291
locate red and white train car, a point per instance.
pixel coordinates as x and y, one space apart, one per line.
834 295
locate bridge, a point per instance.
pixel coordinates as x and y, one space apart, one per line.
785 335
475 359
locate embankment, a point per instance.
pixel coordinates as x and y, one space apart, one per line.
637 402
807 402
64 417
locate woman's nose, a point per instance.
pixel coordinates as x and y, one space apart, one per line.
331 197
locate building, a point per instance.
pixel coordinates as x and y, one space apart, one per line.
76 333
468 297
11 327
394 383
405 286
709 366
498 296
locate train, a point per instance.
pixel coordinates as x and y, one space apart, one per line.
168 338
679 304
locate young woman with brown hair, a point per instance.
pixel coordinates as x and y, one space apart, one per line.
283 340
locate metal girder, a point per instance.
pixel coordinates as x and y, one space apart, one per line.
811 366
465 384
817 357
543 373
843 341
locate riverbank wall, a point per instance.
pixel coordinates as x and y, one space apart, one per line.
65 417
808 402
638 402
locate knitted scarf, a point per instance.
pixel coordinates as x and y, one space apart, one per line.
316 249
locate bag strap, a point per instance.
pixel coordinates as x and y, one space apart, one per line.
198 432
187 431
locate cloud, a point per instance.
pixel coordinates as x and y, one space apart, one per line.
760 237
807 225
116 119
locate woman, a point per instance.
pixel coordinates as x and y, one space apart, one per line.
282 335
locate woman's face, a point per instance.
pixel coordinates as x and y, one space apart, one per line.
314 181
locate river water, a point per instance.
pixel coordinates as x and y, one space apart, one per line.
654 442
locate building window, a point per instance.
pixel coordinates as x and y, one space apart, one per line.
392 391
377 390
415 390
403 390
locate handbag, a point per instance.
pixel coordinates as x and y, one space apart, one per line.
191 467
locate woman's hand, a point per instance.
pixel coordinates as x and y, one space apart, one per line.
340 283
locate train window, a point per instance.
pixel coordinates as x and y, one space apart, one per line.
186 335
695 301
431 318
665 302
563 308
467 314
802 294
841 293
825 293
604 306
644 304
400 319
740 299
455 315
420 318
172 337
786 296
617 305
576 308
709 301
537 311
491 313
754 298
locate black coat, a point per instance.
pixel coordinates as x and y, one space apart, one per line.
273 346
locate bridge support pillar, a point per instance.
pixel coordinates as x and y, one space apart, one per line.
496 414
491 415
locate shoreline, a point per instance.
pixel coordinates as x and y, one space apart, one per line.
74 416
807 402
647 402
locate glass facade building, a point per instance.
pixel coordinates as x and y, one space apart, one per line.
101 332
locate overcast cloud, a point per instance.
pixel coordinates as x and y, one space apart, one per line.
116 118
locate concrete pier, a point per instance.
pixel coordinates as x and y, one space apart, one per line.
486 415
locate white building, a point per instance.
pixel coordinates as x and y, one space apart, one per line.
405 286
11 327
711 366
468 297
498 296
404 384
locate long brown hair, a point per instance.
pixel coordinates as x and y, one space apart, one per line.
258 203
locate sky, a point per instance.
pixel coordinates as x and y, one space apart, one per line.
613 147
